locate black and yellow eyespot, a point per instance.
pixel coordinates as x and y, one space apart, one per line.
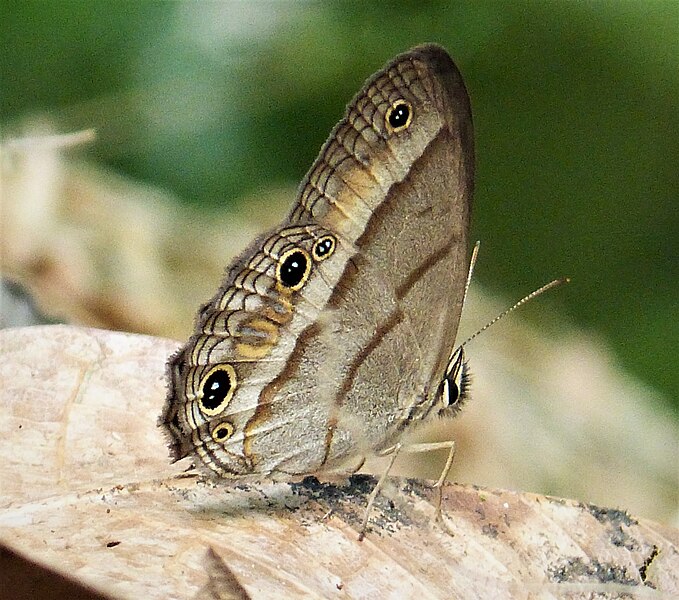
324 247
399 116
216 389
293 268
222 432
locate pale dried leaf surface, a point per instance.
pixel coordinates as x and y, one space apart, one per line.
87 489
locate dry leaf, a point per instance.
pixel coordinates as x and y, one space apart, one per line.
87 490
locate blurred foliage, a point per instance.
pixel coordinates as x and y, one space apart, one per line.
574 105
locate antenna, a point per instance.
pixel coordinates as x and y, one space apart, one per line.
472 263
545 288
456 379
456 362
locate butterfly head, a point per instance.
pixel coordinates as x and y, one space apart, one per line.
454 388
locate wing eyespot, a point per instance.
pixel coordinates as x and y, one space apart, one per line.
216 389
294 268
324 247
399 116
222 432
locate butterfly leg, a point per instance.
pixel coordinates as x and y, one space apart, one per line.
442 478
430 447
394 451
412 449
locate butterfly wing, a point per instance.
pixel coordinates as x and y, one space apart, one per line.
286 377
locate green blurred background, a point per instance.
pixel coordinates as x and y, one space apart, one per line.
575 108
